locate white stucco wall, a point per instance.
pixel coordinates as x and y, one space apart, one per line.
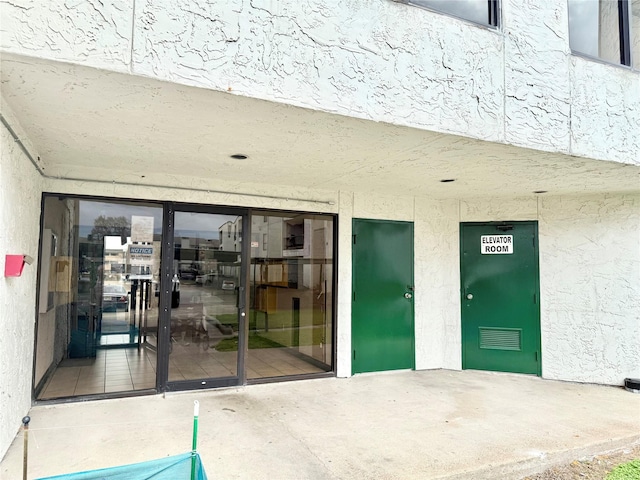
343 297
589 275
20 191
437 277
537 88
91 33
605 112
590 287
380 60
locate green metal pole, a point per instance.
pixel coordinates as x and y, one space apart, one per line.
25 423
194 443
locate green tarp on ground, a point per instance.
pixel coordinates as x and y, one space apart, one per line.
177 467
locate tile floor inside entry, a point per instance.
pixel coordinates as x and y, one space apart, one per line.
126 369
112 370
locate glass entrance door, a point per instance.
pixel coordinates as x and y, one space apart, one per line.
207 293
98 315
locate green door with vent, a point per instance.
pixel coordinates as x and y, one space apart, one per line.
382 332
500 297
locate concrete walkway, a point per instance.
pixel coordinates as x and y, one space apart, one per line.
424 425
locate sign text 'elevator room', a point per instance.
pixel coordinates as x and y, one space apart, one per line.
496 244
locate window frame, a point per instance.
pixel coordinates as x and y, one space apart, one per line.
624 24
493 13
624 37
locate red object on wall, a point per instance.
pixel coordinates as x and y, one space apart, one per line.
13 265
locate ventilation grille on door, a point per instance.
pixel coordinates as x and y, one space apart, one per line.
501 338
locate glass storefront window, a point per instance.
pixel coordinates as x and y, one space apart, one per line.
99 320
291 282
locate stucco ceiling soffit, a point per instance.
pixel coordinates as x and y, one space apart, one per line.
117 127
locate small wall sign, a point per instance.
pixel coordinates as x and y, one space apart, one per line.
496 244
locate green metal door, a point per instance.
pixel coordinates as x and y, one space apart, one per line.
382 302
500 297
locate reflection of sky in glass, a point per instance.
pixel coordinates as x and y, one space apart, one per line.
474 10
187 224
90 210
583 26
201 225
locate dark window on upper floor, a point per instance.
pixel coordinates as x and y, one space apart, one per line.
635 34
484 12
606 29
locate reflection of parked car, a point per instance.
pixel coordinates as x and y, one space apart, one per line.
228 285
206 278
115 298
188 272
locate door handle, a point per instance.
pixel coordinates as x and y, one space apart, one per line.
469 296
240 299
408 295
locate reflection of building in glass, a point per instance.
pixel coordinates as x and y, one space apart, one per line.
196 256
291 281
608 32
115 256
606 29
231 235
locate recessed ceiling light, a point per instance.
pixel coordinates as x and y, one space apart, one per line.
238 156
448 180
540 191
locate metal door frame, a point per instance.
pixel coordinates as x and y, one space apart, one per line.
353 279
534 224
164 317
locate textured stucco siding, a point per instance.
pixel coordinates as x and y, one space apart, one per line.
437 278
605 112
379 60
345 278
20 191
93 32
372 60
537 87
590 288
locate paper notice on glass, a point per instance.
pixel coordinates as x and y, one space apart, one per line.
141 229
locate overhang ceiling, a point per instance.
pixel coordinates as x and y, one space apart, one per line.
101 125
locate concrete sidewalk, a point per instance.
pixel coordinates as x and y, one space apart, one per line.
409 424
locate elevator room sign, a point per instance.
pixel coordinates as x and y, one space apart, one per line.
496 244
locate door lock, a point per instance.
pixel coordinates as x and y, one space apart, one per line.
408 295
469 296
